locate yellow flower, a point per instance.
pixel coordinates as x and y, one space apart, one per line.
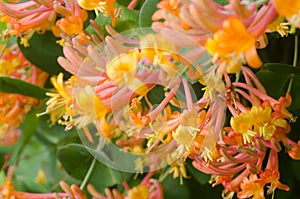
88 107
107 7
59 100
233 43
122 70
162 53
138 192
187 130
257 121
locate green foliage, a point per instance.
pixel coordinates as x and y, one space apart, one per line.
43 52
173 189
11 85
147 10
76 160
276 77
199 176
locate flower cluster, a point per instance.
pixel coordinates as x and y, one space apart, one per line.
150 99
14 107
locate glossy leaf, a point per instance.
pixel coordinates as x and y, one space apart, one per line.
147 10
43 52
11 85
76 160
275 78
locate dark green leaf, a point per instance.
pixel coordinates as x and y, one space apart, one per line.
173 189
28 130
43 52
279 50
202 178
147 10
275 78
76 160
10 85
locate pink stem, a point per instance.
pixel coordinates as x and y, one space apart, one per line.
188 95
132 4
165 101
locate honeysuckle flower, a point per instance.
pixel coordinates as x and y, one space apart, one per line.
60 100
87 106
106 7
289 10
257 121
212 24
71 22
14 107
242 43
294 150
30 15
41 16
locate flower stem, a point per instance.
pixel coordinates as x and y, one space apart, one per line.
294 62
88 174
296 51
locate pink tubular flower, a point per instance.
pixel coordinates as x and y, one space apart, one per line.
254 130
214 25
29 15
41 16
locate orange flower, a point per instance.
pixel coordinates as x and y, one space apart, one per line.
252 187
232 44
294 152
107 7
289 9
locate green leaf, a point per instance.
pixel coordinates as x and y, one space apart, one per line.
76 160
11 85
43 52
202 178
222 2
55 134
108 176
127 21
275 78
147 10
28 130
173 189
28 185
